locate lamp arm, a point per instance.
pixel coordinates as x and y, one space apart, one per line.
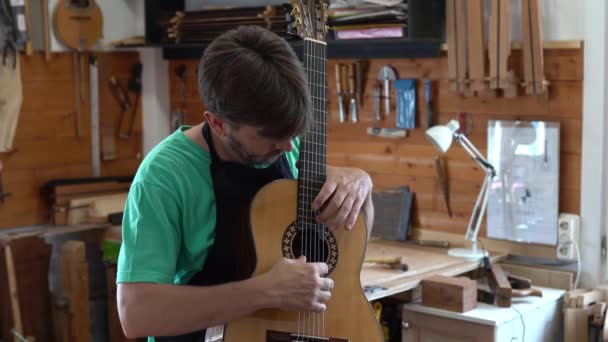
474 153
482 198
478 210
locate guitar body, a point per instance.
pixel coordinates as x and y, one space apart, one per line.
349 316
78 23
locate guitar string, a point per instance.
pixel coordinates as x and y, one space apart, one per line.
323 89
302 222
309 323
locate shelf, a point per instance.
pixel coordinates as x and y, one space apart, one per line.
362 48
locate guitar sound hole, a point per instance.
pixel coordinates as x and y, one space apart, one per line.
318 245
278 336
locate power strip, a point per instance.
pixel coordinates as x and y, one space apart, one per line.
567 232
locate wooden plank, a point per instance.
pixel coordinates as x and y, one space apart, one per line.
585 299
544 277
13 291
75 288
34 68
411 283
419 261
88 188
477 74
32 155
500 286
461 48
32 258
451 31
575 325
87 208
531 250
565 101
534 81
571 44
493 45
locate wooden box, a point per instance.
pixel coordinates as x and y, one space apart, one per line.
458 294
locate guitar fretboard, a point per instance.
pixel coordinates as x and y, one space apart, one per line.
312 166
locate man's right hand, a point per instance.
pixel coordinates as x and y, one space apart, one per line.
298 286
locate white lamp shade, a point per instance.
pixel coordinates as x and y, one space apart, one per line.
441 136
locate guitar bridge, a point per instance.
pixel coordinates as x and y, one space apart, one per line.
278 336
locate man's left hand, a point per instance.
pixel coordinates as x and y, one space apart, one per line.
342 196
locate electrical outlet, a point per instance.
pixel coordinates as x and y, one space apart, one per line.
567 231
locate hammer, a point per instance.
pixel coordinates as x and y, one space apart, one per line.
394 262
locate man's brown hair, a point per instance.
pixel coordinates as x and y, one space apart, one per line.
250 75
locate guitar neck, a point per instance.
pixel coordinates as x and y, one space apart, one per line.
312 164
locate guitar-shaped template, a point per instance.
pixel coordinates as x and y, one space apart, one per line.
283 225
78 23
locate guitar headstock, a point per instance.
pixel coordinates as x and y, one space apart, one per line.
310 18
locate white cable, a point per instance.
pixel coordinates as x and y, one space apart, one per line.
578 259
578 262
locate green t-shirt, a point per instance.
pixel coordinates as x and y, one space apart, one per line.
169 217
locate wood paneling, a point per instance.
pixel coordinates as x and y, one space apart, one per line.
410 161
46 143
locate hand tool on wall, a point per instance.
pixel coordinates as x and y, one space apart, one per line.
428 95
133 85
354 117
95 131
406 103
394 262
387 74
340 93
377 97
3 194
443 183
360 72
177 117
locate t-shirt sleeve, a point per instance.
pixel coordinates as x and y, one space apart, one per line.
293 155
151 235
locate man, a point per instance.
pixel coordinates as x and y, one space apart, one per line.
174 269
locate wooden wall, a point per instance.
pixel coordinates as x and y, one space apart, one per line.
46 145
410 161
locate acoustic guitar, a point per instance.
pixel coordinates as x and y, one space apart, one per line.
78 23
283 225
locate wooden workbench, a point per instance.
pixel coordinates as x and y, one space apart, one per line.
423 262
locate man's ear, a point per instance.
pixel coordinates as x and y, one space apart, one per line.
217 125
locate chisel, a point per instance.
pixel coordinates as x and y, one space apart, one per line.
340 94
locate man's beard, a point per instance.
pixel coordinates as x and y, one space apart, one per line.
247 158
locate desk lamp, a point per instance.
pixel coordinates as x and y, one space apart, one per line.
441 136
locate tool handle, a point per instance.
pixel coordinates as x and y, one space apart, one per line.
354 115
338 80
359 80
377 102
387 260
429 106
341 112
387 97
351 78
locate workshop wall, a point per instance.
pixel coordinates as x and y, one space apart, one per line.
46 144
409 161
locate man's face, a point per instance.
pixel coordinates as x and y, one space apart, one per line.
251 147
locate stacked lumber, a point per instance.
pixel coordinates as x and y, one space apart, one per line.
76 202
585 315
204 25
